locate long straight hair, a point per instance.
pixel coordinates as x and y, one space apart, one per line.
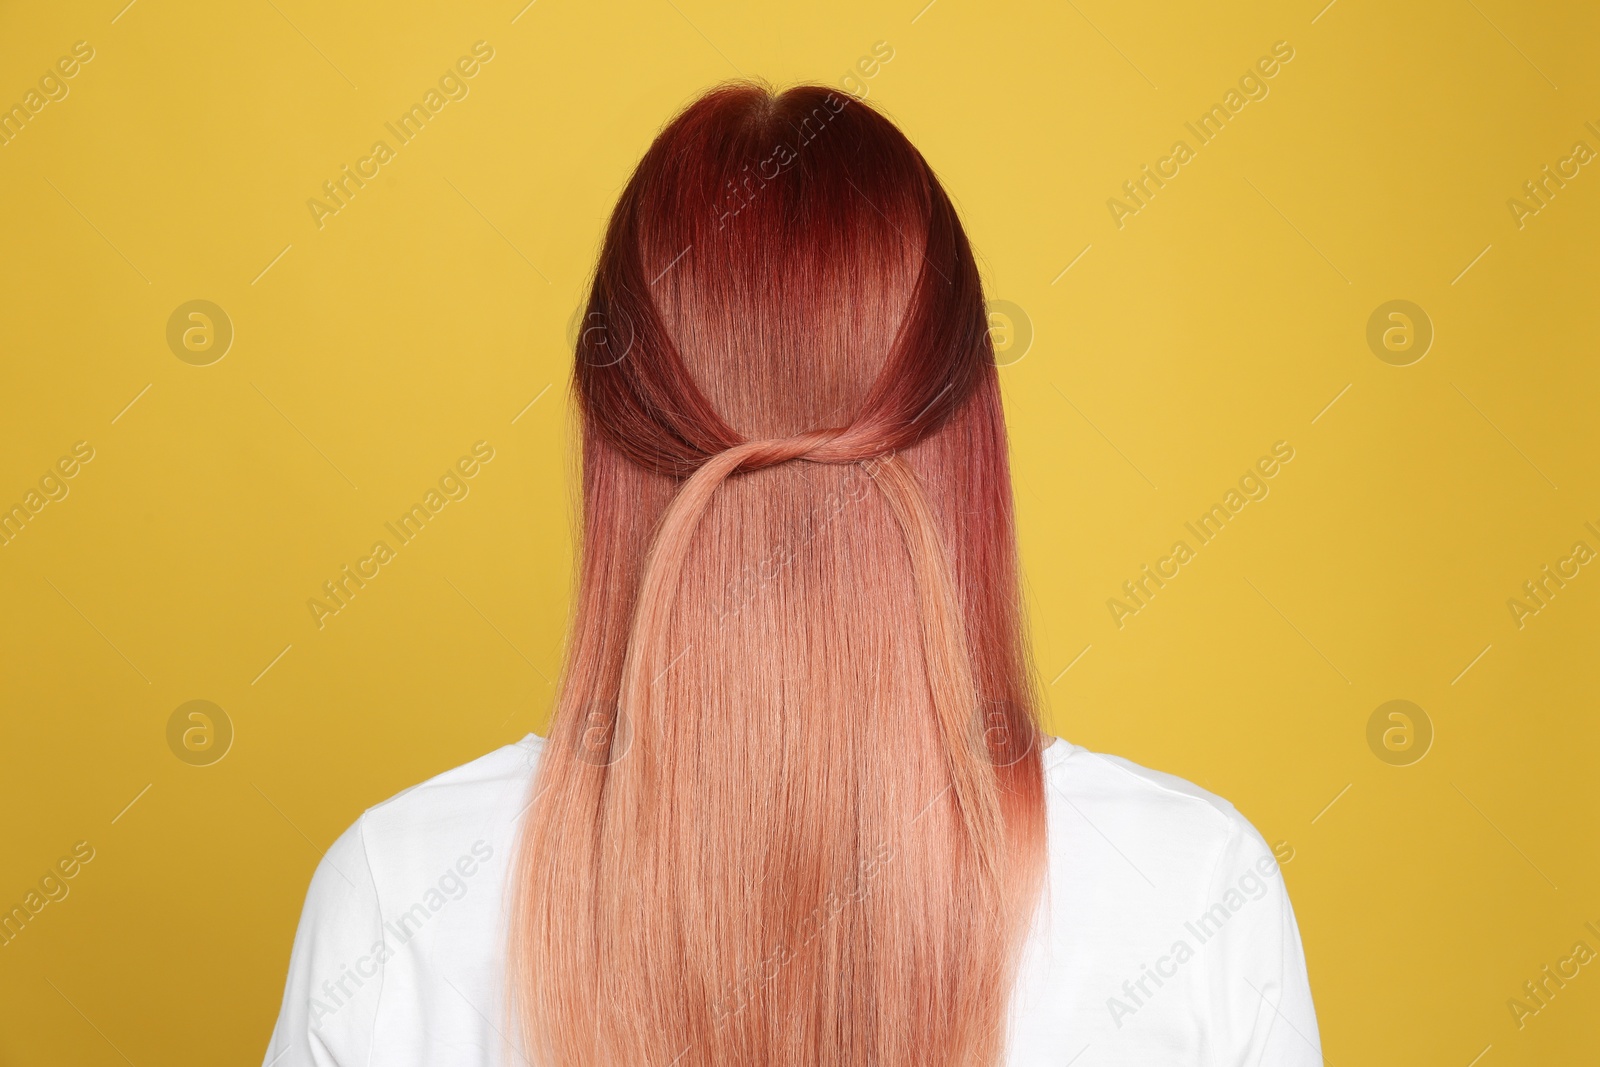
791 807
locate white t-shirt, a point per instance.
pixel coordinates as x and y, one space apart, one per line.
1164 933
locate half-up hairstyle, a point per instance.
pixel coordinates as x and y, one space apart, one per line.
791 807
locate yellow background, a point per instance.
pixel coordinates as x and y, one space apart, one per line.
426 315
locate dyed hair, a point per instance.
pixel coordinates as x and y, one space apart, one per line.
791 807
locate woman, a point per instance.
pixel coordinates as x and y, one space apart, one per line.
795 806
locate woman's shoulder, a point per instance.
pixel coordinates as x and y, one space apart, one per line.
451 827
1153 827
471 809
1166 924
481 789
1080 775
412 890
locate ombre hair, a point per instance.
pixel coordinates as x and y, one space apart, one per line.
791 806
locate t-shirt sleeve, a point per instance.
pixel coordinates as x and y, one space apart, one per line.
330 1000
1260 995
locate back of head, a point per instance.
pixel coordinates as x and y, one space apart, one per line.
791 807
